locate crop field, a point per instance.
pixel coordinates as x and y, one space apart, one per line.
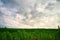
29 34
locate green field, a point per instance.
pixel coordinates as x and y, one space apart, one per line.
29 34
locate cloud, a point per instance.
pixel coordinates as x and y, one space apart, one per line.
30 13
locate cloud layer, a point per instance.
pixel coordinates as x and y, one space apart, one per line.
30 13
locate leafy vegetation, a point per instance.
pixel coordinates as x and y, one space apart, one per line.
29 34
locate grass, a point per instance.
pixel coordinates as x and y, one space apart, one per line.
29 34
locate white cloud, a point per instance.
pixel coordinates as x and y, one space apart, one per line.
36 14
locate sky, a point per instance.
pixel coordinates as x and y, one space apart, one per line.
30 13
